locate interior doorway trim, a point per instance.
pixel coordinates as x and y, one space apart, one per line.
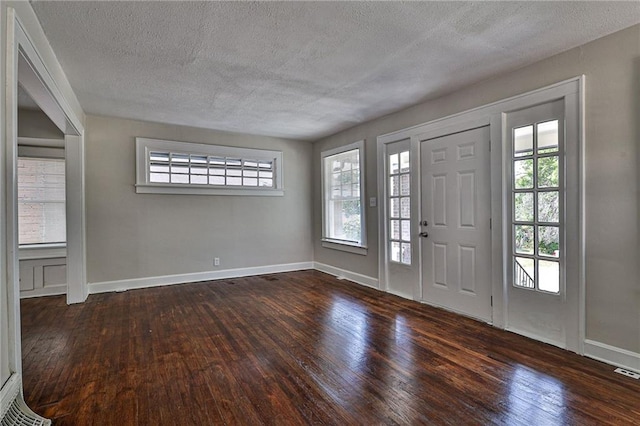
494 115
45 85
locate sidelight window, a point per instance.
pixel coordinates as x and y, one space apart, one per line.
537 206
399 205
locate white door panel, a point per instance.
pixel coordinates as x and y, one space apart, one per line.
456 243
401 258
537 306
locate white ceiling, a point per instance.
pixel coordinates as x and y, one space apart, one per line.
301 69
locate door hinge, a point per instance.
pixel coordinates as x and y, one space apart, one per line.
491 300
490 224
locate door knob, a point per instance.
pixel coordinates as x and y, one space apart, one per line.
424 234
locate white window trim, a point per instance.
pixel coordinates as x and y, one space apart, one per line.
144 186
41 142
343 246
42 251
333 244
40 152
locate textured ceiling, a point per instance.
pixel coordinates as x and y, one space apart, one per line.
301 69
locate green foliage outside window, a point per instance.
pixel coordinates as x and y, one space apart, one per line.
547 205
351 223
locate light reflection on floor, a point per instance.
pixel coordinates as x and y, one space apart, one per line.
344 338
400 384
535 398
403 345
59 346
348 337
348 316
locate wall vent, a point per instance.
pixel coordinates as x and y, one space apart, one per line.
627 373
13 410
19 414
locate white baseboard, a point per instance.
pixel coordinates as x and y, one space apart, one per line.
46 291
534 336
135 283
401 294
612 355
348 275
123 285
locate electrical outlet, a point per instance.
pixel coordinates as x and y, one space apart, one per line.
628 373
216 261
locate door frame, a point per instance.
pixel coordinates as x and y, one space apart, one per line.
51 91
494 115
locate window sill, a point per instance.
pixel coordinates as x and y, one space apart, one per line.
42 251
349 248
205 190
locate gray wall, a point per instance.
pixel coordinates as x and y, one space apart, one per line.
36 124
133 235
612 68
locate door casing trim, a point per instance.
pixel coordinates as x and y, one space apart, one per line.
494 115
54 95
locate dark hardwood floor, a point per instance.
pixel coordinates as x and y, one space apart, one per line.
299 348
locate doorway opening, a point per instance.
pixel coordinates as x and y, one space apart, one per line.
40 77
41 200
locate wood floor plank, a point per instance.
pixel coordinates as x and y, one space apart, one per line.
299 348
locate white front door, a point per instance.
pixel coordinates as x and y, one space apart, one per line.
455 222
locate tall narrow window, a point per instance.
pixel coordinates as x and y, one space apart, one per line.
343 207
537 206
41 201
399 205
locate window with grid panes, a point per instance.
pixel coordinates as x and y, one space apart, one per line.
206 168
399 223
537 206
169 167
41 201
343 200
